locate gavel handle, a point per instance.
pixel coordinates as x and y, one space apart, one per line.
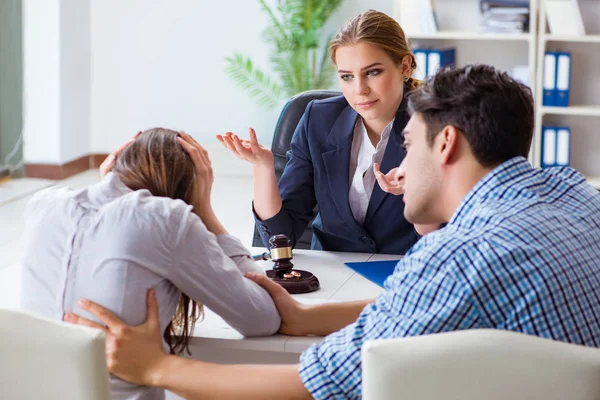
264 256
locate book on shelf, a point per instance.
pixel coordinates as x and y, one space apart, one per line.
556 146
556 79
417 16
504 16
430 60
564 17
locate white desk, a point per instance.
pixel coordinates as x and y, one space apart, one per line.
214 340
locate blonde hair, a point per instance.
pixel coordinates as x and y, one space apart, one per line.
378 29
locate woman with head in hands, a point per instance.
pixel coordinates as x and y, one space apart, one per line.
148 224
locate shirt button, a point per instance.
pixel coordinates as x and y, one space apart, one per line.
365 239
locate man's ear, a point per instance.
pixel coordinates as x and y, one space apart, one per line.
447 142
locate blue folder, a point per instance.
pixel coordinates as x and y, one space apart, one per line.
549 81
375 271
563 78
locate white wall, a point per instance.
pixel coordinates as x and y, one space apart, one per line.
75 93
56 80
161 63
41 81
148 63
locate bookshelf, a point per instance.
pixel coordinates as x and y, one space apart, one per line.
469 35
590 111
594 181
459 27
566 38
583 114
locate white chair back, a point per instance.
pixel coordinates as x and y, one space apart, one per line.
479 364
50 360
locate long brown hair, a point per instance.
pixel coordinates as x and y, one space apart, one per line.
378 29
156 161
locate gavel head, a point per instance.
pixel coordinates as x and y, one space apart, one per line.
281 254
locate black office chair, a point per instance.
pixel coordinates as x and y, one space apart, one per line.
284 130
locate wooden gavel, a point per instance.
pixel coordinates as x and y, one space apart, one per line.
294 281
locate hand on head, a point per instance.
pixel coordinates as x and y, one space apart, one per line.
108 164
248 150
133 353
204 171
392 182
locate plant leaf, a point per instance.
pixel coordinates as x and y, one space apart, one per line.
258 85
299 59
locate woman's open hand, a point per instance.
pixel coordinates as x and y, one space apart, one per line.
392 182
248 150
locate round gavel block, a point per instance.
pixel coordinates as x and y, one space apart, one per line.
294 281
297 281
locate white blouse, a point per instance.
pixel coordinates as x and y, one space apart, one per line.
110 244
362 157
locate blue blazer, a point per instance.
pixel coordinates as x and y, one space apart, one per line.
317 172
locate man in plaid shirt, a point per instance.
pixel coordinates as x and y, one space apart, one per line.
520 251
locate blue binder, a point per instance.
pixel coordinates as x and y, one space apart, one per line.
563 146
563 79
421 58
438 58
556 146
549 82
549 136
375 271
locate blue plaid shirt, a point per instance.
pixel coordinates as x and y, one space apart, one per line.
521 253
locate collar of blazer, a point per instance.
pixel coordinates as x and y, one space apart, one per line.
336 159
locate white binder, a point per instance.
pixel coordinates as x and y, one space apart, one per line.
549 83
549 147
421 58
434 61
563 149
563 78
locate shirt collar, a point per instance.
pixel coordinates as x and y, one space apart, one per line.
493 184
385 135
108 189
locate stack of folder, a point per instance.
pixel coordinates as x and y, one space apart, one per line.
556 146
505 16
430 60
557 79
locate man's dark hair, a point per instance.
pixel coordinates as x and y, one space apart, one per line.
492 110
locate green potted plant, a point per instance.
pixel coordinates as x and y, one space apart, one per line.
299 59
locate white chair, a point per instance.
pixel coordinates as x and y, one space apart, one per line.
479 364
50 360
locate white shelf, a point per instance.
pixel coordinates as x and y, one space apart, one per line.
466 35
593 111
594 181
571 38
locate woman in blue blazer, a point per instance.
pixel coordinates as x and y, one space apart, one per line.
336 145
